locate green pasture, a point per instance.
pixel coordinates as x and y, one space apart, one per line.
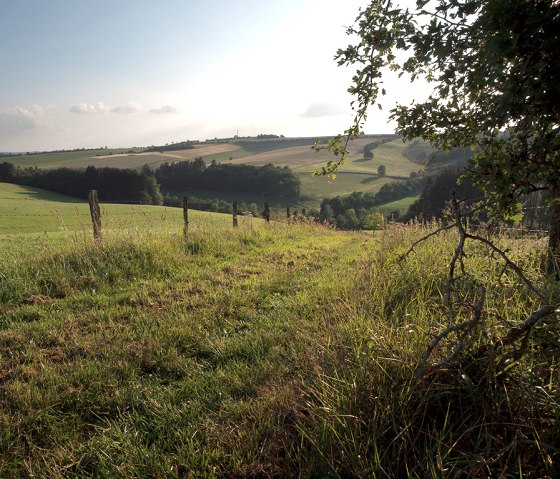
316 188
59 159
400 205
26 210
358 174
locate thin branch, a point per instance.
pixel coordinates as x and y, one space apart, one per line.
466 325
517 331
424 238
451 329
509 263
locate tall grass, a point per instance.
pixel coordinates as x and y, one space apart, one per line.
265 351
366 415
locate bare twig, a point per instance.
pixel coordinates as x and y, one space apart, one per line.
526 326
509 263
451 329
466 325
424 238
457 256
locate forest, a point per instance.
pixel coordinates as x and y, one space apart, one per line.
146 186
267 181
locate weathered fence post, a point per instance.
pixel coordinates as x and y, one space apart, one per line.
235 224
289 218
95 213
266 212
185 216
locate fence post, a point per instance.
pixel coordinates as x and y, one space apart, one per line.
185 216
289 218
266 212
95 213
235 224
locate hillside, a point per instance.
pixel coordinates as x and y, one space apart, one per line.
359 174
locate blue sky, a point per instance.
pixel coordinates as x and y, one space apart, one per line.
88 73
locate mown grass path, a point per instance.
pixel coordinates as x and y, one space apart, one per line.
191 363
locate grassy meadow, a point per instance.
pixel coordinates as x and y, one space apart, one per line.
263 351
27 210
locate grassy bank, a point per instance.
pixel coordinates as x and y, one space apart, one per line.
259 352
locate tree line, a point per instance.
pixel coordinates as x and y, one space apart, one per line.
182 145
112 184
146 186
436 191
355 210
267 181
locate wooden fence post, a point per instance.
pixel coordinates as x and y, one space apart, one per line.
235 224
289 218
95 213
266 212
185 216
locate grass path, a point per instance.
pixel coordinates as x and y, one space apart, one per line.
174 369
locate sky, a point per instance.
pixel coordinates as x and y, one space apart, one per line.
123 73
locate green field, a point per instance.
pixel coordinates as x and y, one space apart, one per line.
400 205
59 159
25 210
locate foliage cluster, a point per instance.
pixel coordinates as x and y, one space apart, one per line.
215 205
350 212
438 191
182 145
496 82
268 136
266 181
112 184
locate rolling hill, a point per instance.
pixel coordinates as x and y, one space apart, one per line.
359 174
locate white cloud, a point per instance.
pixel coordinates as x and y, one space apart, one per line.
90 109
165 110
32 111
21 118
320 109
128 107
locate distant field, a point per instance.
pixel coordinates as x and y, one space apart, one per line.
302 155
56 159
316 188
358 174
119 158
154 158
31 210
400 205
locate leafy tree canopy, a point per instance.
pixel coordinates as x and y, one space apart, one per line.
496 85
